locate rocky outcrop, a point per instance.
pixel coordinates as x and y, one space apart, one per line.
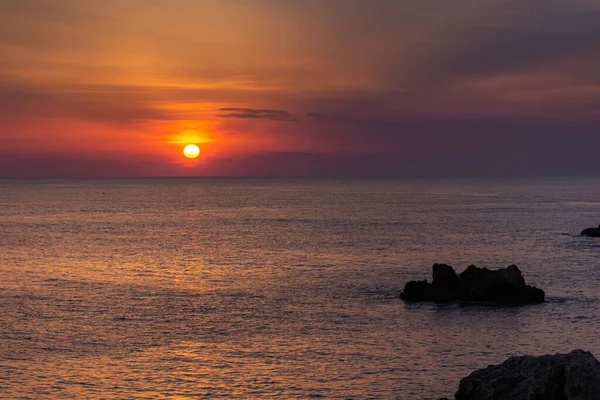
502 286
573 376
591 232
444 288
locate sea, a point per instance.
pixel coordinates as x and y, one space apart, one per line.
281 288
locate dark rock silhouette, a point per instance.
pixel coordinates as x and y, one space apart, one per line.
417 291
573 376
591 232
502 286
446 284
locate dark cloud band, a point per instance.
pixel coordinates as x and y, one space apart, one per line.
251 113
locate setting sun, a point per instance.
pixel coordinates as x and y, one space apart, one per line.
191 151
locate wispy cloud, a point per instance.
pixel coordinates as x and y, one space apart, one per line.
252 113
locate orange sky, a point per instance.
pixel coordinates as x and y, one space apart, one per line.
119 87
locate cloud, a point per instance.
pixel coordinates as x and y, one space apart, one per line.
510 36
28 165
330 117
538 155
251 113
108 104
50 24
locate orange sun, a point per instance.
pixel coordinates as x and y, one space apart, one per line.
191 151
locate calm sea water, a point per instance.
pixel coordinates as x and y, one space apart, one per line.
240 288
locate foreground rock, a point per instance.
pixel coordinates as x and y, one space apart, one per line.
502 286
573 376
591 232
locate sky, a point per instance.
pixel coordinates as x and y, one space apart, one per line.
369 88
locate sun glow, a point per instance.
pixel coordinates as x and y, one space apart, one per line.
191 151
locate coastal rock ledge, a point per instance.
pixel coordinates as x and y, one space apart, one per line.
591 232
573 376
504 286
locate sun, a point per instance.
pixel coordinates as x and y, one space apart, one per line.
191 151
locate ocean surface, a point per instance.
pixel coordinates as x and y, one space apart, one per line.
244 288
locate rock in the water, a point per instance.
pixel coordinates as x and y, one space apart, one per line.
591 232
503 286
573 376
445 286
417 291
445 276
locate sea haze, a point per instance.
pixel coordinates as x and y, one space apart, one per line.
224 288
